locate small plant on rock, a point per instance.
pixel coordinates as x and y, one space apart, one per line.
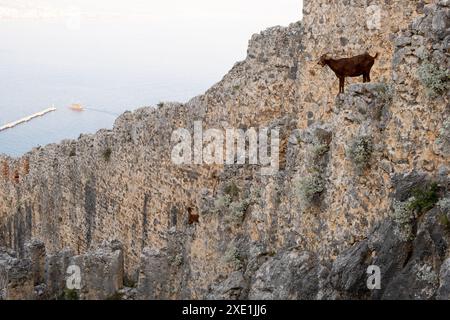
233 204
309 188
360 152
434 78
232 190
424 198
237 211
404 213
320 150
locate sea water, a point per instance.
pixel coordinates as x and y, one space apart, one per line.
114 63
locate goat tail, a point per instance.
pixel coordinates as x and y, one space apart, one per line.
376 56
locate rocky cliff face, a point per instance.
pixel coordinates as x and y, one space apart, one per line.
363 177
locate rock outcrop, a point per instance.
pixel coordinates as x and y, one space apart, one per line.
358 184
40 276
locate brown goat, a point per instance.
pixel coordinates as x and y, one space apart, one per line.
193 218
16 176
350 67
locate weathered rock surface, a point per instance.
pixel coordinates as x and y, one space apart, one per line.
291 275
153 279
233 288
444 280
228 232
16 277
41 276
101 271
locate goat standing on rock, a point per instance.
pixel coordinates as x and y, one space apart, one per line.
350 67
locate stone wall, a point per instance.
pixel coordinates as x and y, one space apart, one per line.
121 183
38 275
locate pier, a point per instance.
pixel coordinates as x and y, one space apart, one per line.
26 119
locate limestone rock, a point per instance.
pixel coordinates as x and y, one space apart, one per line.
101 271
122 183
289 275
153 275
444 288
233 288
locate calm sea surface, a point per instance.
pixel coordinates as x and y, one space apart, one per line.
110 64
110 67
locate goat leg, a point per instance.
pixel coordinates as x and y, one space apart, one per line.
341 84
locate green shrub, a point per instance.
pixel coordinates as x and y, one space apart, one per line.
237 211
360 152
404 213
233 203
320 150
309 188
424 198
434 78
232 190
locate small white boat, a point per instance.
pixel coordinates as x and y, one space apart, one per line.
76 107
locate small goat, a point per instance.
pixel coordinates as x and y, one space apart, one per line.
350 67
193 218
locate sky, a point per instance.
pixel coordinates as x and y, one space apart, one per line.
280 11
92 33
